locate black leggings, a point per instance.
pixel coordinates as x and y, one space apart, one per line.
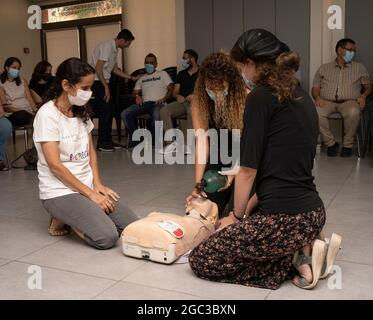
21 118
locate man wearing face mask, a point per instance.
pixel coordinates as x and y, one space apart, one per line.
151 91
183 93
337 87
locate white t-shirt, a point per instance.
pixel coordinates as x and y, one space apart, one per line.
106 51
73 137
153 86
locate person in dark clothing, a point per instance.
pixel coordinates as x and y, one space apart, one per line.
41 81
183 94
257 242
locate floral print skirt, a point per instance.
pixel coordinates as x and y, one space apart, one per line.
257 251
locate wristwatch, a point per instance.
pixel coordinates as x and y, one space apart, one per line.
235 215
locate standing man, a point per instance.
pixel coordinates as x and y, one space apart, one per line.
183 94
341 86
104 59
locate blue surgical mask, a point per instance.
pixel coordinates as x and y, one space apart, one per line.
14 73
212 94
248 83
149 68
185 64
349 55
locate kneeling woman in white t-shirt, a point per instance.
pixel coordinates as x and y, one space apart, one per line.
70 186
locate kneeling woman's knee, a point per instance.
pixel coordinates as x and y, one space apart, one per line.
197 262
105 241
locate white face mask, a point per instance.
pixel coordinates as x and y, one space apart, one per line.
81 99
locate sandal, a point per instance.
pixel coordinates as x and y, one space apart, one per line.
316 262
58 232
333 247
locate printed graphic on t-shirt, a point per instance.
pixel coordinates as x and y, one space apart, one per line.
151 79
80 155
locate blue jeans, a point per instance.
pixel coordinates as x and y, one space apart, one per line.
130 115
5 133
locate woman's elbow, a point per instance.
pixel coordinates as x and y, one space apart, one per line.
247 173
56 169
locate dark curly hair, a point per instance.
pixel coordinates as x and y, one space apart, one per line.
216 70
72 70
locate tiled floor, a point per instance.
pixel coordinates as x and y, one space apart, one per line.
72 270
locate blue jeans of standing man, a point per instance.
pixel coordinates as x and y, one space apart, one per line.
130 115
5 133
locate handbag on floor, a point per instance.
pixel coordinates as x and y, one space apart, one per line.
31 158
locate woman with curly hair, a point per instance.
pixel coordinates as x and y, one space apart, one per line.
218 103
278 147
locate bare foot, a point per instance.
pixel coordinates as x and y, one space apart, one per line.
57 228
305 272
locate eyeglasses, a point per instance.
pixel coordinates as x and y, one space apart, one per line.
348 49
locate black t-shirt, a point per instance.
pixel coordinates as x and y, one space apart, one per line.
187 82
41 89
279 141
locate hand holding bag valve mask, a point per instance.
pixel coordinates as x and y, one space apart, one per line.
164 238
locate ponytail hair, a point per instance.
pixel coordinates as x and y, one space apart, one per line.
72 70
280 75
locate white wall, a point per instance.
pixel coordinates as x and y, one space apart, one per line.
15 35
323 40
153 23
180 29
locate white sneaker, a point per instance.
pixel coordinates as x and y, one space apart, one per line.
169 149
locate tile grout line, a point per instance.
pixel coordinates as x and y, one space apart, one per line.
170 290
108 288
68 271
268 295
140 267
30 253
341 187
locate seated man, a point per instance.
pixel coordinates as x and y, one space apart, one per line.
337 87
151 91
183 93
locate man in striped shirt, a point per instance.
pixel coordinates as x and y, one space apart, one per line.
341 86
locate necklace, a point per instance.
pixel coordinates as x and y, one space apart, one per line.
68 113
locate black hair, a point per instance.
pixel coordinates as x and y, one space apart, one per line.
275 63
192 53
40 70
7 64
343 42
125 34
72 70
151 55
258 45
